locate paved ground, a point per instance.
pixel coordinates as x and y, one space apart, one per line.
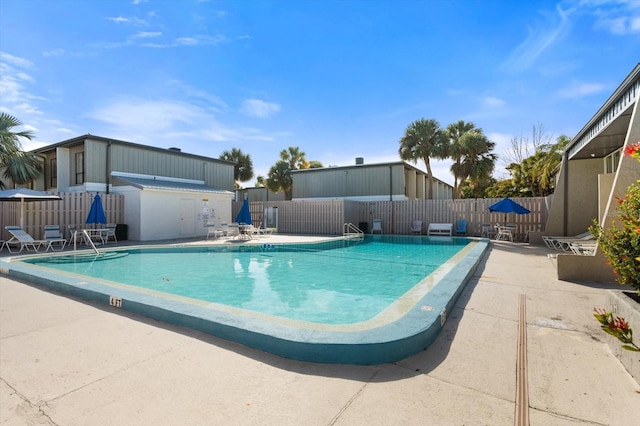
66 362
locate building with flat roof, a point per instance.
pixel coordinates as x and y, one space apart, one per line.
397 181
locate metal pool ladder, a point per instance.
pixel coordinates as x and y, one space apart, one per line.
351 231
86 238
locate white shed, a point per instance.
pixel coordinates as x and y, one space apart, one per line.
161 208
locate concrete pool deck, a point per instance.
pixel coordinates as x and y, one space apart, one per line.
68 362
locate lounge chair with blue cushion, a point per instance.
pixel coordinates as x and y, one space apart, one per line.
19 237
461 227
53 237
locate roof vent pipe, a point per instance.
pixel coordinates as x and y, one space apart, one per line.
359 160
173 148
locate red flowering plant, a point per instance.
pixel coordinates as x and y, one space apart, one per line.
621 246
617 327
633 150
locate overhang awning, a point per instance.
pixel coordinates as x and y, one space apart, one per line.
169 185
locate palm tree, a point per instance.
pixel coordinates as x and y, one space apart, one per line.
454 133
243 170
20 167
295 158
474 159
422 140
279 177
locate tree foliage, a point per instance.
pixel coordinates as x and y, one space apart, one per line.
20 167
423 139
279 177
535 175
473 158
243 170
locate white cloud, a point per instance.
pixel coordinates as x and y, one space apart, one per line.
15 60
118 19
172 121
540 37
492 102
621 25
259 108
578 90
147 34
186 41
123 20
53 52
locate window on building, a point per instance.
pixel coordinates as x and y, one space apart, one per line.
53 173
611 161
79 168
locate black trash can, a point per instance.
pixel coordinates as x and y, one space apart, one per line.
364 227
122 231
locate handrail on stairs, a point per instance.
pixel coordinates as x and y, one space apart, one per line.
86 238
352 231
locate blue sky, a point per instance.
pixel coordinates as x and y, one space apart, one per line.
339 79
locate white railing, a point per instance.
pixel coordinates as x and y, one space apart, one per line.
353 232
85 237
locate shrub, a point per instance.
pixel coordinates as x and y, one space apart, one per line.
621 245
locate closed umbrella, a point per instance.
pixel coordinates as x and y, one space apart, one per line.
96 213
244 215
23 195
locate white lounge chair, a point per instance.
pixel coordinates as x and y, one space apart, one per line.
416 227
563 243
53 237
21 238
584 248
377 226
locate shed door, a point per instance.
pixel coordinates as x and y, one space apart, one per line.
187 217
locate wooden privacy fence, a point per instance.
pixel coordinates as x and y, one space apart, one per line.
72 209
326 217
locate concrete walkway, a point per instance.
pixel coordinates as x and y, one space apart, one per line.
66 362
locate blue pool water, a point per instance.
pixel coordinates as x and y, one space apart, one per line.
340 282
337 301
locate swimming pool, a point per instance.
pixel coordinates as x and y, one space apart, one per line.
341 301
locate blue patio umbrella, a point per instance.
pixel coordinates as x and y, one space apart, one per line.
508 206
244 215
96 213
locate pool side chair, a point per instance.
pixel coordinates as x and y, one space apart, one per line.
416 227
376 226
461 227
212 231
111 233
54 239
503 233
233 230
19 237
486 230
